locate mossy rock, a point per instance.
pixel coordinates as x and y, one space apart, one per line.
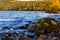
48 25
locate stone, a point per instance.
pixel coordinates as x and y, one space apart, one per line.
40 38
28 38
21 34
54 38
30 34
54 22
31 29
5 28
4 39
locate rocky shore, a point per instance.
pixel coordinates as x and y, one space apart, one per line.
21 26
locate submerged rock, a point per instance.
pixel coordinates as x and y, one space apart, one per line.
5 28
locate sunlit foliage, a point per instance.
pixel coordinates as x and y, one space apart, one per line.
50 6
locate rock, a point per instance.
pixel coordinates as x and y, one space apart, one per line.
20 27
40 38
11 39
54 38
31 29
54 22
21 34
4 38
38 31
28 38
47 25
27 25
5 28
7 35
20 39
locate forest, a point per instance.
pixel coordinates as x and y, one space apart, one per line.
49 6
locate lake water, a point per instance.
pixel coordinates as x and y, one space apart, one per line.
14 19
19 18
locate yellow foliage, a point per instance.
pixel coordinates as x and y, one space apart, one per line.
47 5
55 2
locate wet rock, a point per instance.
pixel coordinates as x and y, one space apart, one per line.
21 39
40 38
39 32
5 28
27 25
10 36
21 34
28 38
7 35
20 27
4 38
11 39
31 29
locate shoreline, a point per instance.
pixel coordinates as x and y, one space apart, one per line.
32 11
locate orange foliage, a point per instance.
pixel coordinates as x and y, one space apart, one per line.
55 2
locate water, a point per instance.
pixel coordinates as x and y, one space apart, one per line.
19 18
14 19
